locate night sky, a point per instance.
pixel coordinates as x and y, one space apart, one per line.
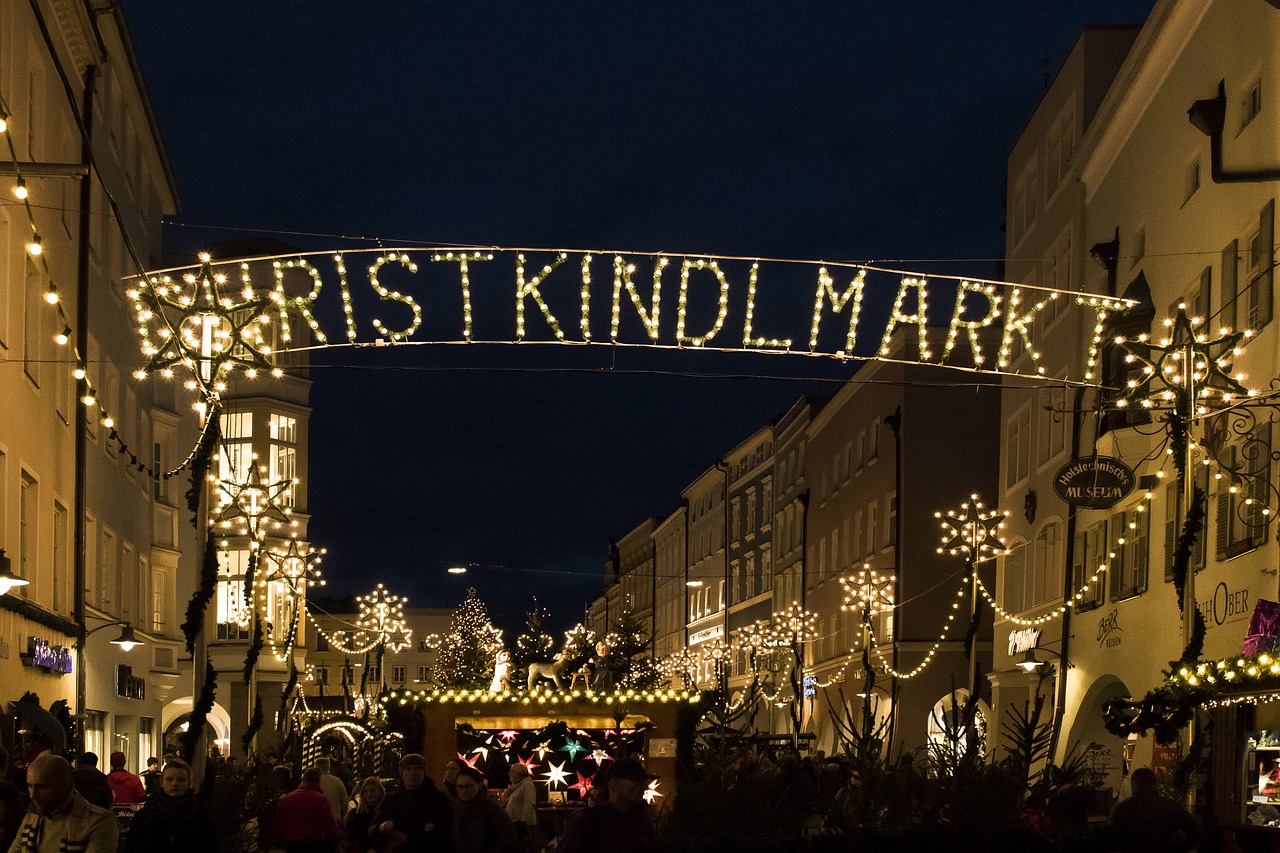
837 131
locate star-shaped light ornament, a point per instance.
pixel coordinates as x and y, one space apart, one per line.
867 591
651 793
508 735
470 762
1163 367
201 325
973 532
599 756
556 775
382 614
254 506
572 747
295 566
582 785
529 763
543 748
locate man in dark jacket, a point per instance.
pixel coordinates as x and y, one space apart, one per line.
619 824
91 782
417 818
1150 821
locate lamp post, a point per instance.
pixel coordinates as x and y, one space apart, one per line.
127 641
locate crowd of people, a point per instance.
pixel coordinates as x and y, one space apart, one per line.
324 810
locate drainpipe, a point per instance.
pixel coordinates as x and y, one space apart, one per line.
1068 589
1209 117
894 422
79 568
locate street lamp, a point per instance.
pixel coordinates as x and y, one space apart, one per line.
7 578
127 640
1029 662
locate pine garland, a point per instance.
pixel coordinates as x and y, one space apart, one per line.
283 713
200 713
255 649
200 464
255 724
194 623
1192 528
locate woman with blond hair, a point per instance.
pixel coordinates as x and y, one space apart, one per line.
369 795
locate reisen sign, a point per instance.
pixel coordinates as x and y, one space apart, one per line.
1094 482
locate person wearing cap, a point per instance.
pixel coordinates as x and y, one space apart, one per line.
91 782
480 825
618 824
126 789
417 818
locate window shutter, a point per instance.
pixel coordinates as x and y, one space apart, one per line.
1205 300
1116 564
1224 516
1259 489
1170 528
1228 304
1266 233
1141 551
1078 562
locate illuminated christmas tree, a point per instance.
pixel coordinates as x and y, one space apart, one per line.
468 651
627 662
534 645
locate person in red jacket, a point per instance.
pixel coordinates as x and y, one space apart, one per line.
304 820
126 789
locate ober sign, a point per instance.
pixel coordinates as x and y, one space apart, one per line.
1094 482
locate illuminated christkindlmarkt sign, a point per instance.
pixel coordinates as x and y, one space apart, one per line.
215 317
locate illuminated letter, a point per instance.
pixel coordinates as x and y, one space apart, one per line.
302 303
395 296
622 273
684 296
346 297
971 327
747 324
523 291
1100 308
838 301
461 258
1015 322
897 318
585 322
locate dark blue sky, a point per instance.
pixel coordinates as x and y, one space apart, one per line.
834 130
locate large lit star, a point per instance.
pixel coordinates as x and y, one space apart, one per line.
253 503
1164 366
556 775
295 566
975 533
197 325
582 785
599 756
470 762
651 793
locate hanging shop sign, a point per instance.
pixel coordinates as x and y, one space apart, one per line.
220 315
128 685
44 655
1023 639
1094 482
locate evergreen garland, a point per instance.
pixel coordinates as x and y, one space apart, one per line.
255 649
1192 528
283 713
194 623
200 713
200 460
255 724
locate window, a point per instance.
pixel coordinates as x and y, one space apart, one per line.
891 518
322 674
736 519
1139 246
32 322
322 642
1061 148
1091 551
873 441
1227 307
108 566
374 674
1053 433
751 525
1015 578
873 527
1130 531
1017 462
858 550
1192 179
283 465
28 508
61 569
235 454
1046 585
1172 506
159 590
423 647
424 673
1252 104
1057 275
860 451
1260 258
1241 526
232 624
398 674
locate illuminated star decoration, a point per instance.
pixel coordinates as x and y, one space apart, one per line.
582 785
253 503
867 591
529 763
974 533
556 775
1165 363
651 793
198 328
543 748
481 750
599 756
508 735
382 614
572 747
470 762
295 567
